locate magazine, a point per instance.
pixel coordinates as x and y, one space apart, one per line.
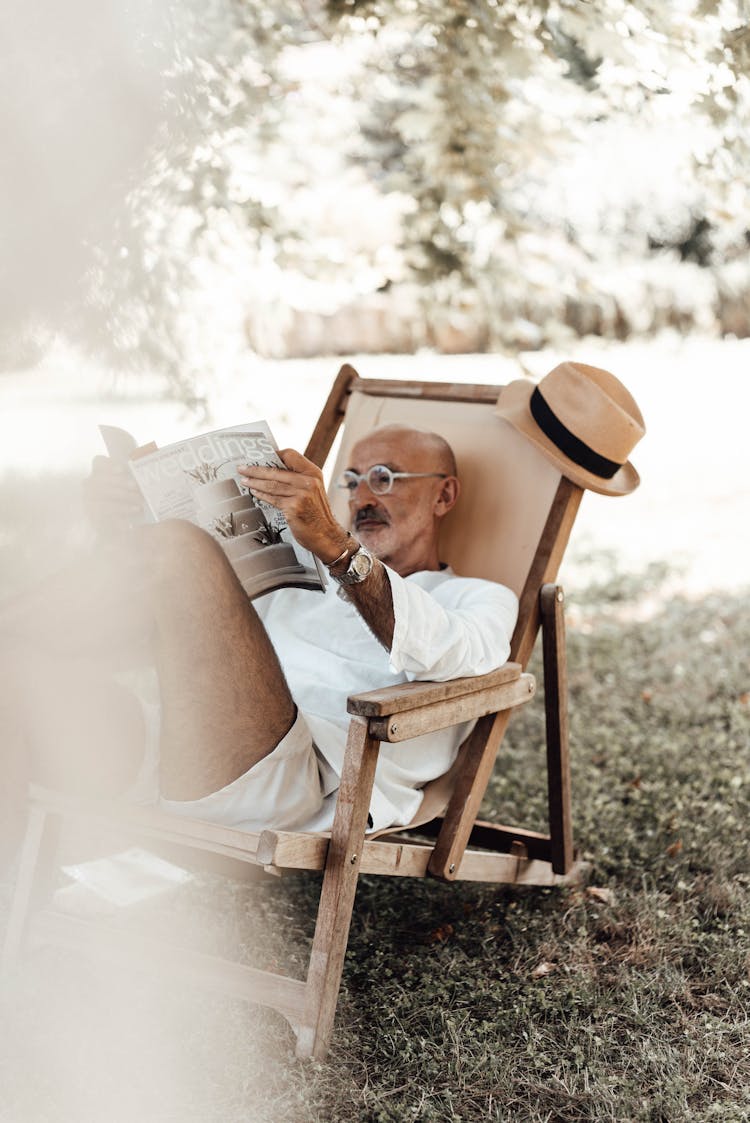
196 479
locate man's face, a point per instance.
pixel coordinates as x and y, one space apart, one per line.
400 528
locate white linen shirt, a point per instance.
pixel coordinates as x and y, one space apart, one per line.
445 627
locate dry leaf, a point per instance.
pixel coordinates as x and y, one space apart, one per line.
606 896
675 848
442 933
744 698
646 695
542 969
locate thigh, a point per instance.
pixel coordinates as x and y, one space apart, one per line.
283 791
226 704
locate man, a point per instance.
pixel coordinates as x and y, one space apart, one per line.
253 695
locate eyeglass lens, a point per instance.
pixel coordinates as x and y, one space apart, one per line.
379 479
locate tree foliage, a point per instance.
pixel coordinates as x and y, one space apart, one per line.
451 124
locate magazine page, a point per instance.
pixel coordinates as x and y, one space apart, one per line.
196 479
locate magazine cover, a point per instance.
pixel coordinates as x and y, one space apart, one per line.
196 479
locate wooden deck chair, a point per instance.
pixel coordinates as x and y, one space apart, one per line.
512 525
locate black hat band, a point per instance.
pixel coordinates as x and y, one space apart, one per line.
574 448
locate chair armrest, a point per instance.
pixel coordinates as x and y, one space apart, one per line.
408 695
411 709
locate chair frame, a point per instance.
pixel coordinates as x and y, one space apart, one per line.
456 846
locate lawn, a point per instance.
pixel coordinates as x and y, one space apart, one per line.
626 999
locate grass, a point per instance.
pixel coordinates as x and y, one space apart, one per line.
624 1000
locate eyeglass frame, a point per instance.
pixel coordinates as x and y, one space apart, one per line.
356 478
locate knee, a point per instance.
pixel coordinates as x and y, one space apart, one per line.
177 546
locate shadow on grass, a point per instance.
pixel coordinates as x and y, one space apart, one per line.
626 1000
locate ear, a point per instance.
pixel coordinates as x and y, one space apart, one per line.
447 496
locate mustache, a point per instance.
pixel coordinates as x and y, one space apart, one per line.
370 514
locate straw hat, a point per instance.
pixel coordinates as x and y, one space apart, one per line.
582 419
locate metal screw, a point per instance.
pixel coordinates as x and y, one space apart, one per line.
452 867
531 687
353 859
394 727
560 595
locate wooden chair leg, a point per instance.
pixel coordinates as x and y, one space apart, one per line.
551 604
337 893
35 875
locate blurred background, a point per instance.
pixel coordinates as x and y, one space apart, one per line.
186 184
205 205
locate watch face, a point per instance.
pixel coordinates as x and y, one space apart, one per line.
361 563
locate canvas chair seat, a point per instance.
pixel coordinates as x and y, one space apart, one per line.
511 525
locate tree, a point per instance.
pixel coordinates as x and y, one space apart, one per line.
454 120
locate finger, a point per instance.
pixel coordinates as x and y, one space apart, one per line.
282 483
272 495
260 472
295 460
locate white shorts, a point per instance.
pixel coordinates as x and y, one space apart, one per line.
290 789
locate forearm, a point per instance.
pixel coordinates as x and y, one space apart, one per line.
373 600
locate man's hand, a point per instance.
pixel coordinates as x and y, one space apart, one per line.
111 496
301 495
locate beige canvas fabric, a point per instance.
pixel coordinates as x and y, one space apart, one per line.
507 484
507 490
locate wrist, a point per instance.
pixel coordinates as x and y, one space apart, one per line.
337 562
354 568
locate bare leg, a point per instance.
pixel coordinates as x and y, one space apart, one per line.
225 702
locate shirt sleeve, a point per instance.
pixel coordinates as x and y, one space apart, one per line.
463 626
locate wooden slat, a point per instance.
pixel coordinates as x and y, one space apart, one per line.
152 823
293 851
434 391
397 857
104 941
479 758
556 709
544 568
508 870
337 893
411 859
441 715
407 695
330 419
497 837
488 734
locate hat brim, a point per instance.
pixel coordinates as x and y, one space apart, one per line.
513 407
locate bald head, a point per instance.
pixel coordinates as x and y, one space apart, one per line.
401 525
429 445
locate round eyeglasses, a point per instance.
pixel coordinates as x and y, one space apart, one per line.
380 478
